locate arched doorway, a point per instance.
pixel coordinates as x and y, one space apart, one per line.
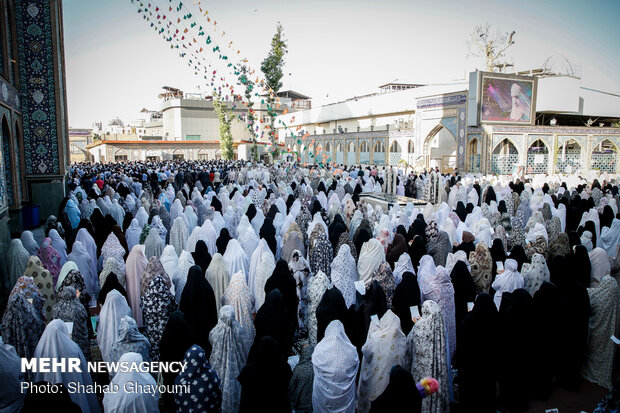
202 155
537 158
568 159
474 150
440 149
328 152
605 156
364 153
153 155
410 152
504 158
396 153
6 161
352 154
178 154
120 155
378 153
339 153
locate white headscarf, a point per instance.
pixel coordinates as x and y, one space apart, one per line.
228 356
199 233
264 270
179 235
17 260
610 237
402 266
508 281
12 378
600 266
211 237
114 308
56 343
128 401
238 296
218 277
186 261
344 274
384 348
169 260
235 257
69 266
535 274
335 363
192 219
317 286
370 258
132 235
29 243
89 244
59 245
143 217
136 264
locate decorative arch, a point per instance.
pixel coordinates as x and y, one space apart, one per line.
504 158
6 162
351 153
474 151
605 156
339 155
537 157
378 152
444 154
364 152
395 147
410 146
568 157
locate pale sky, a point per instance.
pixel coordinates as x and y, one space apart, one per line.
116 64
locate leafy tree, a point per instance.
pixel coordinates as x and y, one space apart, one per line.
491 46
272 69
225 118
244 79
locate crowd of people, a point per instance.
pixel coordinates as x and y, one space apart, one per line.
285 289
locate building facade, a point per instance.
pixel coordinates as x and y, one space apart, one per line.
34 144
442 126
79 139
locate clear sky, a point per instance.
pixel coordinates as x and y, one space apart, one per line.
116 64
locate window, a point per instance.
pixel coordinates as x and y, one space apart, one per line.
410 147
364 147
379 147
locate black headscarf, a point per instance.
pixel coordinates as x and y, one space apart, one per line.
397 248
201 256
111 283
362 235
272 320
490 195
406 295
501 208
316 207
461 212
574 310
400 395
222 241
282 279
268 233
289 203
417 250
332 307
476 355
216 204
265 379
516 341
335 229
373 302
607 217
198 306
418 227
251 212
518 254
177 338
464 290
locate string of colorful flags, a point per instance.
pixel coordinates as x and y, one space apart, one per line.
181 26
